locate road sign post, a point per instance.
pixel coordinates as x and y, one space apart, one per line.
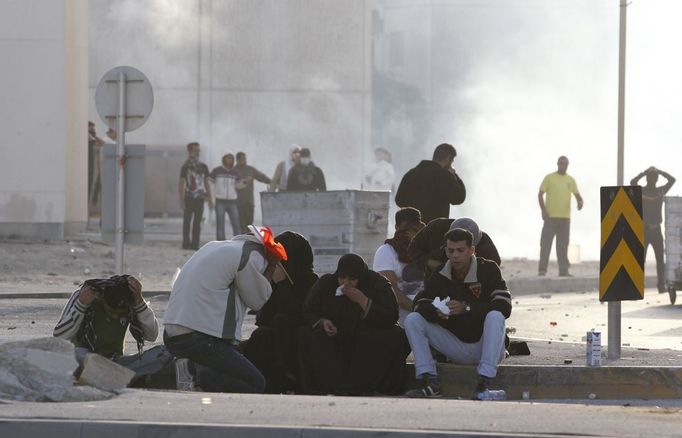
124 100
621 266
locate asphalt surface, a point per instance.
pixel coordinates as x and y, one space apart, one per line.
552 319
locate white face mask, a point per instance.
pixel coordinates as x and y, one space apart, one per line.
305 161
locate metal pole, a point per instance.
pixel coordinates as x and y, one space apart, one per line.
614 306
120 175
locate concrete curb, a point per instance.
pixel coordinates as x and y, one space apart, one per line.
116 429
569 382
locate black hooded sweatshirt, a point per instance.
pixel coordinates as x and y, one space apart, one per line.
288 298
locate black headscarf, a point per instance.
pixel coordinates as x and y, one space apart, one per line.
299 263
352 265
286 297
116 292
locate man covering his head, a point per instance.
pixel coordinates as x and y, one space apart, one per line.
98 314
207 305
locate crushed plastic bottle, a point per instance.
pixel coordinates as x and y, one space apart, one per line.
492 394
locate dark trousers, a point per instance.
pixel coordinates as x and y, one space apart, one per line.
218 365
559 227
194 210
274 351
245 216
654 237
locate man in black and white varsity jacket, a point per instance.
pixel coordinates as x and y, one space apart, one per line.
470 327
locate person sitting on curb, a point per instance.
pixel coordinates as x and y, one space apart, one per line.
392 261
426 249
352 345
470 327
272 347
97 316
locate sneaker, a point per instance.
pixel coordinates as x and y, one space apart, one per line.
184 381
541 274
431 389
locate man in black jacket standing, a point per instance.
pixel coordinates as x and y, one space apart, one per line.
433 185
470 327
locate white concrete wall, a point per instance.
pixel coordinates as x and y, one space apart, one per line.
239 75
43 143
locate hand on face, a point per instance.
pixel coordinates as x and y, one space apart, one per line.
278 273
456 307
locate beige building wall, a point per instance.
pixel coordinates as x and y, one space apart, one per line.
43 117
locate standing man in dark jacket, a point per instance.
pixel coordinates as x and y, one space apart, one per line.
470 327
245 202
306 176
433 185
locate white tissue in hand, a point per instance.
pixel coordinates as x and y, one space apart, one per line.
442 305
339 291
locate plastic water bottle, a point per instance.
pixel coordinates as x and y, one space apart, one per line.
492 394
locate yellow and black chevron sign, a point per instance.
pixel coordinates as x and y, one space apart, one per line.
621 271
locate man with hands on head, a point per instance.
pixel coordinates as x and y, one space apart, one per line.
97 316
470 329
652 203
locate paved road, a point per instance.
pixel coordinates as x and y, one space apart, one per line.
651 323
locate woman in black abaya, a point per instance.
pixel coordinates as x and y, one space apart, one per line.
352 344
272 346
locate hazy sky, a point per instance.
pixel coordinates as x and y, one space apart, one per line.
547 86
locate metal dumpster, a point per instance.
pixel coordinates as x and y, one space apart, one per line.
334 222
673 245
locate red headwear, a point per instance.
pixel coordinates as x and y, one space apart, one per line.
266 237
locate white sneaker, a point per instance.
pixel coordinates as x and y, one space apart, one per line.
184 381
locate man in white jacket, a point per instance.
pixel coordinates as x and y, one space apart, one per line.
207 305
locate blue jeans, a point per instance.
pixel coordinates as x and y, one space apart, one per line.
218 366
487 352
229 206
148 363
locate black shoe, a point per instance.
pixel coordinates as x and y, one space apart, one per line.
565 274
542 274
483 384
431 389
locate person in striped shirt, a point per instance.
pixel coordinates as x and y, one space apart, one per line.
97 317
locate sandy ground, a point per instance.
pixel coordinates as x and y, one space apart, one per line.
61 265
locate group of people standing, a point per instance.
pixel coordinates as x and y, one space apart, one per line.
232 186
